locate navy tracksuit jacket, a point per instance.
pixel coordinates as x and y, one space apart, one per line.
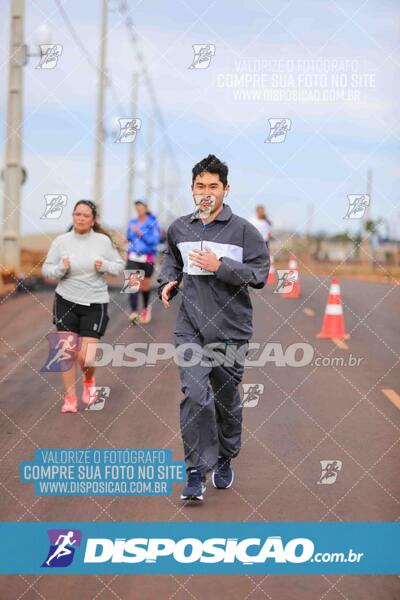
215 307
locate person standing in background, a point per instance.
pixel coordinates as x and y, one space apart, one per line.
143 236
262 222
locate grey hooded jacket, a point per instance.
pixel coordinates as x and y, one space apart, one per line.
215 306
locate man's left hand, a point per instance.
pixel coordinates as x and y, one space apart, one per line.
204 259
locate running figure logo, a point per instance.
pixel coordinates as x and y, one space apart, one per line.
251 394
132 281
203 54
97 397
330 470
62 547
278 129
286 280
358 204
62 346
128 129
54 206
50 53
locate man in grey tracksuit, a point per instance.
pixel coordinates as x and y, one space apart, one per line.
216 255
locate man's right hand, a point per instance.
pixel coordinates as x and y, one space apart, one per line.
166 292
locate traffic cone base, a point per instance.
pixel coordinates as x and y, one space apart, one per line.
295 292
333 336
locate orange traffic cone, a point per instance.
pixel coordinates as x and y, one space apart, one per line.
295 292
272 273
333 324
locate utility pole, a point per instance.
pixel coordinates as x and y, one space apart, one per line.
367 257
132 148
172 199
100 133
13 151
367 214
161 188
308 250
310 220
149 162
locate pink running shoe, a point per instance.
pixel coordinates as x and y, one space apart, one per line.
70 404
145 316
87 384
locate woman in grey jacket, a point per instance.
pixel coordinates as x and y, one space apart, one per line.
79 259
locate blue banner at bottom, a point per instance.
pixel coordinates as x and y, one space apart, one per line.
199 548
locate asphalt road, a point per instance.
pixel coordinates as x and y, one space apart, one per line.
303 416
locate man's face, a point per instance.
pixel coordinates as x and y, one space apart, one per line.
208 193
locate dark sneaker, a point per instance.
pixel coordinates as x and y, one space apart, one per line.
195 486
222 476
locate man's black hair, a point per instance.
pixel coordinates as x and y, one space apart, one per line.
211 164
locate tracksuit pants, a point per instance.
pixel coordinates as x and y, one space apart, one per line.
211 409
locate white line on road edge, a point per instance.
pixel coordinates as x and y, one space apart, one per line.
393 397
340 343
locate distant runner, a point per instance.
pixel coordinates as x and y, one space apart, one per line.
143 235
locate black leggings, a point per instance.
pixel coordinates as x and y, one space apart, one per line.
148 269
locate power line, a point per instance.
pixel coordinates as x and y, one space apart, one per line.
87 55
142 70
124 10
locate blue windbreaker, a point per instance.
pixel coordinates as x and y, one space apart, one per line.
147 244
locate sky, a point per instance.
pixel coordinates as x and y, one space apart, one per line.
332 68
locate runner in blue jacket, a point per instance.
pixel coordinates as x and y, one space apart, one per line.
143 236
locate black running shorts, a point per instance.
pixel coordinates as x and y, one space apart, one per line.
86 321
